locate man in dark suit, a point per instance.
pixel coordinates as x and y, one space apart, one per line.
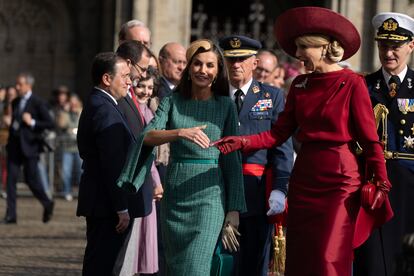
172 61
137 56
259 106
393 87
103 142
29 119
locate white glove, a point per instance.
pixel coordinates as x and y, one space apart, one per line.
277 203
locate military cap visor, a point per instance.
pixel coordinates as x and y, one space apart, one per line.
395 27
301 21
239 46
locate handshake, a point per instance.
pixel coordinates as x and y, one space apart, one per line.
225 145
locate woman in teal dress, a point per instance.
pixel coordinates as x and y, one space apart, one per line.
203 192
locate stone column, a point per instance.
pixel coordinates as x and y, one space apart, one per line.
168 20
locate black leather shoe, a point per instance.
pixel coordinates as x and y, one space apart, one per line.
9 220
48 212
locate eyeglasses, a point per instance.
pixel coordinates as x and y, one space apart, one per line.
141 69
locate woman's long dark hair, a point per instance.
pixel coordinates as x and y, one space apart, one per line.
219 87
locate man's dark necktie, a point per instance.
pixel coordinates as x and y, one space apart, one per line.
238 99
394 84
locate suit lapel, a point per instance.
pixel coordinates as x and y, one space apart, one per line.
408 83
107 98
165 83
28 104
380 88
134 107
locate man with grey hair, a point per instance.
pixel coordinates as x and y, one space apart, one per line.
172 61
135 30
266 66
30 118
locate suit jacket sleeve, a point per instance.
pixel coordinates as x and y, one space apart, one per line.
43 118
112 141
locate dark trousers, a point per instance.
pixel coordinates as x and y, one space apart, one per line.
368 257
255 242
31 173
103 246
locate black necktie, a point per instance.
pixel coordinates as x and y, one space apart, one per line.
394 84
238 99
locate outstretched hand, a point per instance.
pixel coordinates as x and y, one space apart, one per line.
196 135
229 144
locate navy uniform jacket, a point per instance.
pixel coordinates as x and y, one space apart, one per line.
103 142
24 139
261 107
400 124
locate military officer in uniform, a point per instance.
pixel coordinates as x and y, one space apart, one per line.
259 106
393 87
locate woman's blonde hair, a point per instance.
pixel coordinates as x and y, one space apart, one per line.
334 51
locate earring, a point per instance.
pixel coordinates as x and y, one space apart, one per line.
323 55
214 80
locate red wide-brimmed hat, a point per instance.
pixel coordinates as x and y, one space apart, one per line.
315 20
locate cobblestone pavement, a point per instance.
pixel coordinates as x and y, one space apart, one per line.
31 247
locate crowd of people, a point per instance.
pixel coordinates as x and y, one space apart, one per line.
201 150
64 109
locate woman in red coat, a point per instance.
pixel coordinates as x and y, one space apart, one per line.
331 109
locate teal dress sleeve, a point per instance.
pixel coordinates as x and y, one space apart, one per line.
140 156
231 166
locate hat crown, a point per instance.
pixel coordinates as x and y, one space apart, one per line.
239 46
235 42
392 26
316 21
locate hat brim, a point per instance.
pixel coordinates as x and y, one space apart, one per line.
315 20
392 37
239 53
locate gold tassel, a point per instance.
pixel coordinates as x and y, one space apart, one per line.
279 254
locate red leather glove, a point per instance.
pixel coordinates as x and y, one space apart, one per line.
231 143
382 191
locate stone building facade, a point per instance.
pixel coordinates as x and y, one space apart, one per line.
57 39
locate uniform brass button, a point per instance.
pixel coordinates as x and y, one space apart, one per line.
402 122
404 112
401 132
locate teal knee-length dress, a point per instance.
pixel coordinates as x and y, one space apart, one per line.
201 186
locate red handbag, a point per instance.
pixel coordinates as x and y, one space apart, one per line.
367 194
